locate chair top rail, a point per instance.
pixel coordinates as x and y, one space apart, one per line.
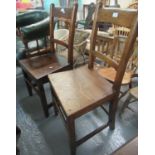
120 17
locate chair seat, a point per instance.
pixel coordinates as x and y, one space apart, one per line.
80 90
40 66
109 73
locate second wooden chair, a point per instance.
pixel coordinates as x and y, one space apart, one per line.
37 68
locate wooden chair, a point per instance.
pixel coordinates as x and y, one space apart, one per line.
37 68
81 90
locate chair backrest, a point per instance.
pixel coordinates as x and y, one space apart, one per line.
67 15
121 17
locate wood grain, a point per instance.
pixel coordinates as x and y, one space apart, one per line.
80 88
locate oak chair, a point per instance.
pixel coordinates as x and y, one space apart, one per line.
37 68
81 90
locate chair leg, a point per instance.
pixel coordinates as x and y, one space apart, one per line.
54 101
112 113
43 98
72 138
27 84
126 103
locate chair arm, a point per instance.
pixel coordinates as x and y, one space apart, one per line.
30 17
36 31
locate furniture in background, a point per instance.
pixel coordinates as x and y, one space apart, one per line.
103 41
132 97
35 37
80 43
32 28
29 17
121 35
87 23
36 68
79 47
81 90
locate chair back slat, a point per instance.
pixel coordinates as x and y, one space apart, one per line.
67 15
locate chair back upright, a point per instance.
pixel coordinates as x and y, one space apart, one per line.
121 17
68 16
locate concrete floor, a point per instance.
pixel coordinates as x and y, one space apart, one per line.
54 134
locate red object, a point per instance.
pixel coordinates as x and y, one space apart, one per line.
23 6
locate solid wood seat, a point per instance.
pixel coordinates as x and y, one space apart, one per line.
40 66
110 74
82 88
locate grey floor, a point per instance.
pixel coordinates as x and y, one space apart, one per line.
41 136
